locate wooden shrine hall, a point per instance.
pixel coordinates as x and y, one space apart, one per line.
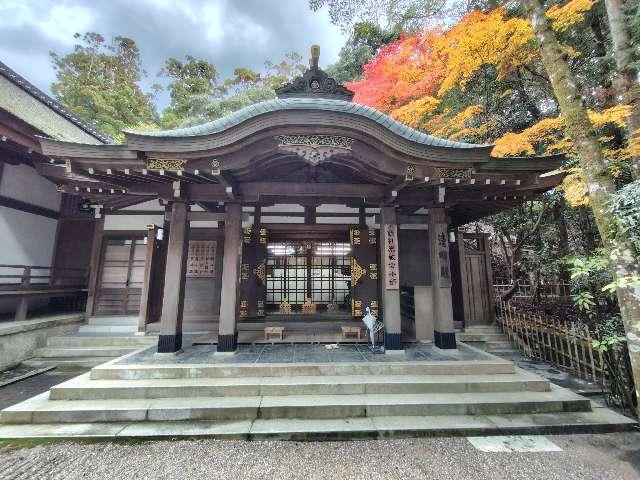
306 206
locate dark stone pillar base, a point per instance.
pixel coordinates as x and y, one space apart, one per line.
169 343
392 341
227 343
444 340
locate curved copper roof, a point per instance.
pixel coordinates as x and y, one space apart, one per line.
313 104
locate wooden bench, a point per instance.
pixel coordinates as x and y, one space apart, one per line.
271 331
346 331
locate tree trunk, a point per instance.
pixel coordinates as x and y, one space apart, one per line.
626 83
600 183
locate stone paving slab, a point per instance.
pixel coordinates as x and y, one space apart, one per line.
303 353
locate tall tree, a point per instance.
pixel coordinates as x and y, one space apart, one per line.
407 14
601 185
99 82
191 84
626 57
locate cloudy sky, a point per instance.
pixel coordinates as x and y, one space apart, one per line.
228 33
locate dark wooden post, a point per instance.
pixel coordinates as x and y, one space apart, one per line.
227 325
390 279
23 303
146 297
444 335
170 339
94 265
464 279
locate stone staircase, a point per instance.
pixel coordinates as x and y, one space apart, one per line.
490 339
304 400
100 340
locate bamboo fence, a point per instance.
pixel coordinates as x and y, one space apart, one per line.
566 346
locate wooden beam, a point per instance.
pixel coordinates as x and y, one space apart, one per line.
28 207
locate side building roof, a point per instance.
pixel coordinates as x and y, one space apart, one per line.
26 108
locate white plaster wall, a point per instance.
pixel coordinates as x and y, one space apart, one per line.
339 220
150 205
22 182
131 222
26 239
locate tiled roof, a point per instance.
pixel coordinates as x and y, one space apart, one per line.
35 92
331 105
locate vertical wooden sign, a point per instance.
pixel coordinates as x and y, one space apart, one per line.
253 285
392 272
364 272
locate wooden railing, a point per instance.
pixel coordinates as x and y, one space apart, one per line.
30 281
567 346
546 290
29 277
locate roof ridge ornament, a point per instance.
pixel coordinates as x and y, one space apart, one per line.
315 83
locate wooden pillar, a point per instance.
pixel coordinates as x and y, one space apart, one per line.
228 322
94 265
390 279
170 339
146 296
23 302
444 334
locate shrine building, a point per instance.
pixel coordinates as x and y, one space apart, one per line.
303 212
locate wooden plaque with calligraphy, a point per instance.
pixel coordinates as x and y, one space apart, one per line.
364 272
392 272
253 284
202 259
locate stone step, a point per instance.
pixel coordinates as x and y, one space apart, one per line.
42 410
122 371
71 364
481 337
599 420
483 328
101 341
506 345
129 321
82 388
64 352
108 329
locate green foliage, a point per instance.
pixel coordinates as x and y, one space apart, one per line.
98 81
197 97
625 208
583 300
407 14
607 343
360 48
193 78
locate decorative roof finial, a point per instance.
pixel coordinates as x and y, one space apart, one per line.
315 56
314 83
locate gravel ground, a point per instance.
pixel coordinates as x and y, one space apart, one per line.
611 456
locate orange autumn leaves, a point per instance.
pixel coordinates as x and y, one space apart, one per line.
409 77
415 78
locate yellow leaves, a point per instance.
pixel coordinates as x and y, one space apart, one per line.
483 39
614 115
569 14
547 136
414 113
512 145
574 186
453 127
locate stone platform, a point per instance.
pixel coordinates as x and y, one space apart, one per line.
303 392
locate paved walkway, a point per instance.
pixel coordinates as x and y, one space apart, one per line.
584 457
304 353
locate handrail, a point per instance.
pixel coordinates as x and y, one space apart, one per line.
56 277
